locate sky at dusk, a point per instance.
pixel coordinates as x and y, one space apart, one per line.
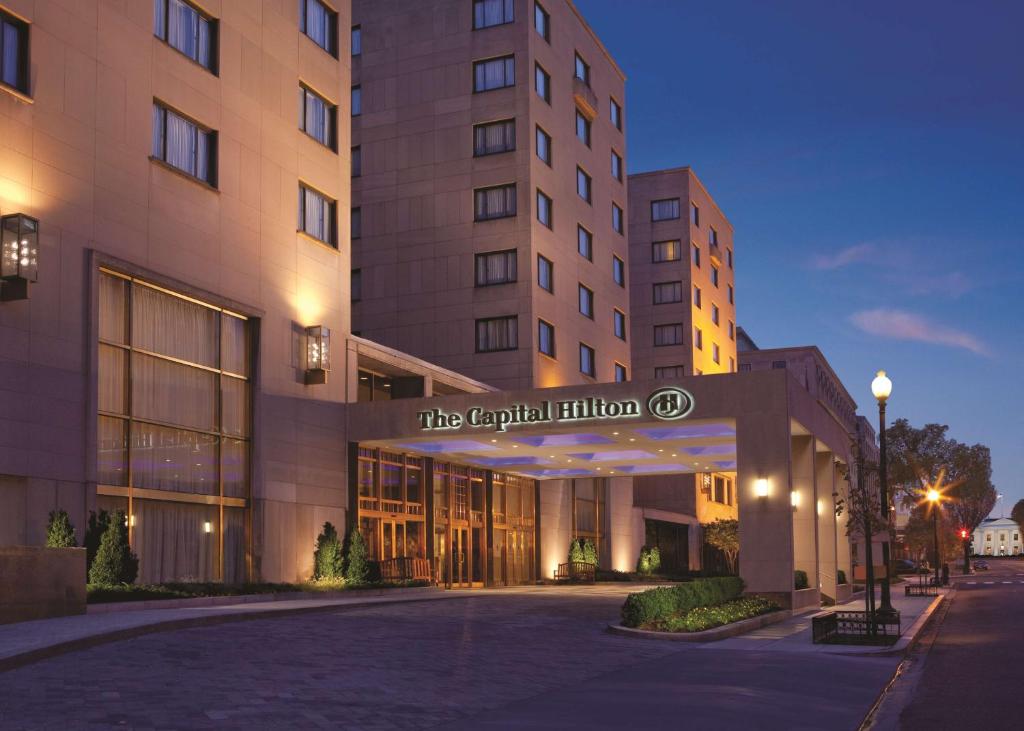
870 157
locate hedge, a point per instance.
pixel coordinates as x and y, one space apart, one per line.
647 607
703 618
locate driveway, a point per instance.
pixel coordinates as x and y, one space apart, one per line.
536 657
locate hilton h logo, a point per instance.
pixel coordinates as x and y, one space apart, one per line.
669 403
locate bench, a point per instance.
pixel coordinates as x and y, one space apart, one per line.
576 571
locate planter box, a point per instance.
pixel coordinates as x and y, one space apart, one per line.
708 635
38 582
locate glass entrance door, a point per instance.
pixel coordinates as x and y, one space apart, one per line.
461 557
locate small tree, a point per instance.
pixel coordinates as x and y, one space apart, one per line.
1017 513
93 535
589 552
114 563
649 561
357 563
328 558
576 551
59 531
725 536
581 550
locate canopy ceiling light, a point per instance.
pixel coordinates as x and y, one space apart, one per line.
318 354
19 255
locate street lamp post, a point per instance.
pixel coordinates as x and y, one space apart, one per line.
933 498
881 387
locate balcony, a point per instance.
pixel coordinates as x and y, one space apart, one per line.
715 252
586 99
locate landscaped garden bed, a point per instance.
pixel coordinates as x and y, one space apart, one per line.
98 594
695 606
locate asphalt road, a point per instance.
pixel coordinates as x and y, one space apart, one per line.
970 677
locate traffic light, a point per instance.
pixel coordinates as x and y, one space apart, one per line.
963 534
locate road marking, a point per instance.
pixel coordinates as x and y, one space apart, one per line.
972 582
1007 582
990 582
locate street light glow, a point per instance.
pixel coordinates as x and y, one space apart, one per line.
881 387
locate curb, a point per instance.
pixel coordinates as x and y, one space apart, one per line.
223 601
29 657
708 635
907 639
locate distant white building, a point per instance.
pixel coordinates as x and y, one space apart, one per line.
998 537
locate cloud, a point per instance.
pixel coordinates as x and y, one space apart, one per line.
843 257
900 325
951 284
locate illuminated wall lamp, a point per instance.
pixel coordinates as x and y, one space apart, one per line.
761 487
794 499
207 527
19 255
318 354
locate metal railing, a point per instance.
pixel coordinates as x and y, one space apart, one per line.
855 628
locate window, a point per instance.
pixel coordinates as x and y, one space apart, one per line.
356 223
583 184
544 212
545 274
696 256
497 333
695 215
542 22
491 12
778 364
585 243
621 376
587 360
732 365
357 100
357 40
177 23
714 313
744 367
496 202
730 294
357 285
174 403
668 334
712 236
496 267
619 324
586 302
542 83
714 275
317 116
616 166
663 372
546 338
544 146
662 251
582 70
728 257
715 355
582 128
492 138
494 73
617 218
665 210
183 144
317 215
696 297
732 330
357 161
668 292
615 113
618 271
320 24
698 338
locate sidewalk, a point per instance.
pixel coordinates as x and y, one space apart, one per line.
26 642
794 635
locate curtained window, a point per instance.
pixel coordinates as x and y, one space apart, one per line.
546 338
668 334
665 210
184 145
583 185
666 251
317 116
584 243
14 52
668 292
496 202
320 24
496 267
586 301
494 137
317 215
497 333
494 73
487 13
185 28
175 407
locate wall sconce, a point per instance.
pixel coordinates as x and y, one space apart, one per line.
207 527
19 255
794 499
318 354
761 487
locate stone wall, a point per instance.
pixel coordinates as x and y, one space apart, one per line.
36 582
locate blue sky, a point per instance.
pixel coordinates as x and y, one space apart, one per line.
870 157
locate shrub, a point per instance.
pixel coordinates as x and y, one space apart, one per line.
800 579
647 607
357 563
589 553
702 618
581 550
649 561
840 577
59 531
93 535
328 558
114 563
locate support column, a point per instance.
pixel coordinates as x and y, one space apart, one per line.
805 523
827 537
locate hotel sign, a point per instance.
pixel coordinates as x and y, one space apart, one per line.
666 403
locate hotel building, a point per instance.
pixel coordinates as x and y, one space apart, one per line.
175 337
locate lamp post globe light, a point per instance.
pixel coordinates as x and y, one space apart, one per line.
881 387
933 498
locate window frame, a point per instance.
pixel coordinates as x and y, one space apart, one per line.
332 14
618 316
695 250
615 113
543 324
677 327
714 276
592 373
579 61
477 218
504 58
660 372
585 294
546 33
588 183
619 270
619 368
507 124
694 214
500 318
698 338
510 254
618 213
617 166
541 72
587 128
356 32
356 91
212 146
333 206
664 200
667 260
332 109
356 161
676 289
550 223
506 6
698 300
583 233
214 33
538 133
551 273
